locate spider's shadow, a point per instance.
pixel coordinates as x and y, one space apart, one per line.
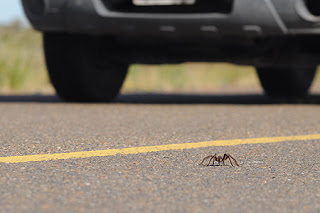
219 165
213 165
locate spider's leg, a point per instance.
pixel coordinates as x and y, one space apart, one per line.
214 159
234 160
225 157
230 161
210 156
223 162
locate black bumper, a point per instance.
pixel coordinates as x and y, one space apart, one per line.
250 18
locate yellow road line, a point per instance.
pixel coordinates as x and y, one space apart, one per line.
145 149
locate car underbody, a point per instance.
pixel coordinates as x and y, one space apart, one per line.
268 34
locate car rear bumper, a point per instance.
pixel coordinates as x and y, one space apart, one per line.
251 18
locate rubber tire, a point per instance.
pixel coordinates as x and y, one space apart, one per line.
83 68
286 82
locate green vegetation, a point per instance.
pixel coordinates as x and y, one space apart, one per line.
22 70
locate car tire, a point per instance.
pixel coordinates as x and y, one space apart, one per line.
84 68
286 82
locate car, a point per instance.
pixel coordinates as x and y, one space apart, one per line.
89 44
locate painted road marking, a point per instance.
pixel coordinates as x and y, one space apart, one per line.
145 149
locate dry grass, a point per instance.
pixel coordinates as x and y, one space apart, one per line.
190 77
22 67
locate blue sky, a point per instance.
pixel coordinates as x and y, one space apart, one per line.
10 10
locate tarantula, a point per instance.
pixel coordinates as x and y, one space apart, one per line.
219 159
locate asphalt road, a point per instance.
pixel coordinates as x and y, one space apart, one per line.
273 177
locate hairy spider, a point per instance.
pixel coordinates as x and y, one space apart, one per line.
219 159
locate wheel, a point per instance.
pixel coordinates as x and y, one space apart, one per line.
286 82
84 68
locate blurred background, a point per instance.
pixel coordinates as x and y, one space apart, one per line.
23 71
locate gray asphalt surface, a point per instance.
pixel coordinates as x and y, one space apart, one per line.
279 177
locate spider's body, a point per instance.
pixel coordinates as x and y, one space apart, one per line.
219 159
